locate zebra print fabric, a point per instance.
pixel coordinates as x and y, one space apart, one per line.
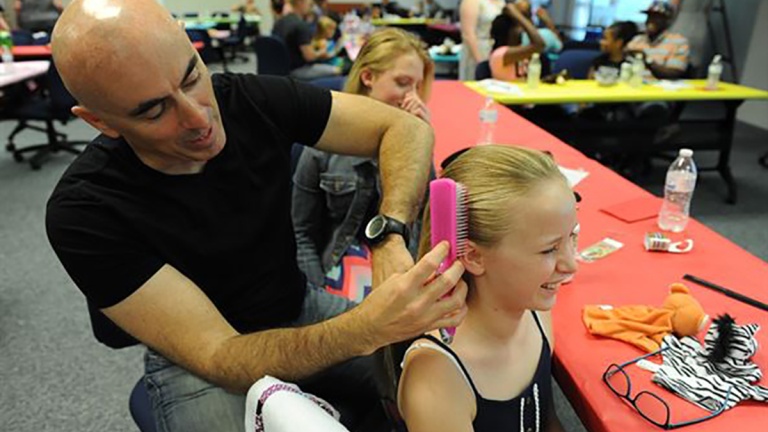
687 371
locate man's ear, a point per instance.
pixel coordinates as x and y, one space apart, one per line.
94 120
473 259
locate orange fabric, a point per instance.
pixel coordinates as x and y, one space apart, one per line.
642 326
629 276
645 326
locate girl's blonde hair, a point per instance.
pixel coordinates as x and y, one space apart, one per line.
323 24
495 176
381 51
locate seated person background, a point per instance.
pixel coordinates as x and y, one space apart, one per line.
334 196
612 46
324 40
297 35
553 43
431 9
665 53
37 15
249 7
509 58
522 229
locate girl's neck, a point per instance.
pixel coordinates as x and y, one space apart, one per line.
616 56
490 323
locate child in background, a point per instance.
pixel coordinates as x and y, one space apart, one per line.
324 40
509 58
496 374
613 44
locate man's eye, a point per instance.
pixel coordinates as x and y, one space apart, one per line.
156 112
192 81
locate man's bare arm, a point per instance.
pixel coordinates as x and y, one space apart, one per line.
173 316
403 143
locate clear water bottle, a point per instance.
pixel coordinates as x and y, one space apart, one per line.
6 52
488 117
626 72
638 70
678 192
534 71
713 72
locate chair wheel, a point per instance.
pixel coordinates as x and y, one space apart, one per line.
35 165
18 157
10 147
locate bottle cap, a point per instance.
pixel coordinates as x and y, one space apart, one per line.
717 58
535 55
686 152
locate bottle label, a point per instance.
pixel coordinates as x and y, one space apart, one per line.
489 116
681 181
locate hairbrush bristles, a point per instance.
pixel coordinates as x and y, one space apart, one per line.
449 218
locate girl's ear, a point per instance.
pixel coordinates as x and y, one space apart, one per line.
473 259
366 77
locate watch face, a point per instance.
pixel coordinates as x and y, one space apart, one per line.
375 227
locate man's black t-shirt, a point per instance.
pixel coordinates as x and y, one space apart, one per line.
114 222
295 32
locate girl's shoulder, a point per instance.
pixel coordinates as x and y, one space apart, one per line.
431 373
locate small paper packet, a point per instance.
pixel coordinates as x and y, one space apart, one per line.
659 242
599 250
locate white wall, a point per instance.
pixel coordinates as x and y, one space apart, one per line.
755 70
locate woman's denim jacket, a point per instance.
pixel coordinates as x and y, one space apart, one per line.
332 195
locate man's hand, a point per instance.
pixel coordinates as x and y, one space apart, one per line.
389 257
413 303
414 105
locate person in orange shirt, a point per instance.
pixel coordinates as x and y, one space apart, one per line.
666 53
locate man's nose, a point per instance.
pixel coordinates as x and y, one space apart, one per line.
192 114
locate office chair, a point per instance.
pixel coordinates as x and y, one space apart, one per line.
141 407
208 54
271 56
235 42
576 61
52 103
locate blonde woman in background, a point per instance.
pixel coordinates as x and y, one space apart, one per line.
335 196
475 17
496 375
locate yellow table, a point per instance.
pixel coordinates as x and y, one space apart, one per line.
403 21
588 91
700 134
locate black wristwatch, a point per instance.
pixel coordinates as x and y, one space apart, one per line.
380 226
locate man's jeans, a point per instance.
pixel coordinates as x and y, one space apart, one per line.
183 402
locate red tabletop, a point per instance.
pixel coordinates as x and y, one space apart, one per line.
44 51
629 276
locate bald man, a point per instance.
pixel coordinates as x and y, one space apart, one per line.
175 221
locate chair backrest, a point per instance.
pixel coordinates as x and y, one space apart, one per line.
271 56
22 37
62 100
482 70
577 61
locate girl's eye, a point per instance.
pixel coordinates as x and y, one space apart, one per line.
550 251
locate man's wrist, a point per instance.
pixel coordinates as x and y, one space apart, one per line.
365 334
390 240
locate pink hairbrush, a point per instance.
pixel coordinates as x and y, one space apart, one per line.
448 217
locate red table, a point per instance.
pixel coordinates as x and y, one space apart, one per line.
26 52
629 276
